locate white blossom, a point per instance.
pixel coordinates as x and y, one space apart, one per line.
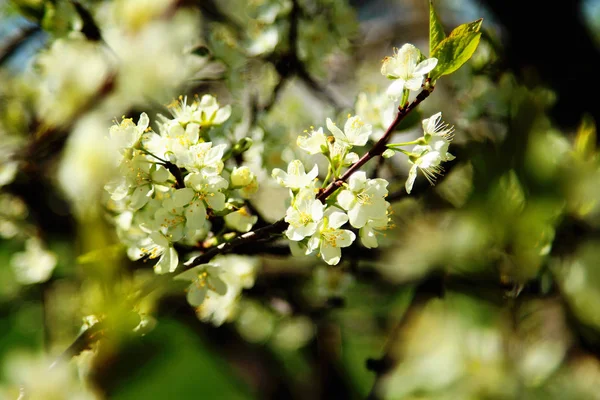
376 109
356 132
314 143
203 191
241 176
428 156
204 157
204 277
437 135
127 134
406 70
364 199
296 177
303 215
159 246
35 264
428 163
239 273
241 220
329 239
137 183
209 111
368 233
264 41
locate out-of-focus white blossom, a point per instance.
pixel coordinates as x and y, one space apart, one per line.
376 109
237 273
71 73
204 277
29 376
35 264
263 41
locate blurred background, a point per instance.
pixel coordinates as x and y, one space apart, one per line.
486 286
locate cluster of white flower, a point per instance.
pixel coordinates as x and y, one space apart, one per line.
315 226
315 223
408 68
174 182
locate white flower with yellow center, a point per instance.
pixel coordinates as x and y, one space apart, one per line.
241 177
314 143
205 112
204 277
428 163
241 220
170 219
138 181
437 135
303 215
428 156
238 273
364 199
206 158
296 177
356 132
368 233
406 70
329 239
127 134
376 109
177 140
202 191
210 113
159 246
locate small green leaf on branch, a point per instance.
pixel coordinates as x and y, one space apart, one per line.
456 49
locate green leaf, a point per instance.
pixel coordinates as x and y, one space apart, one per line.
106 253
585 141
456 49
469 27
436 30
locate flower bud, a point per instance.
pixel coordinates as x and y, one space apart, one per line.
241 177
241 146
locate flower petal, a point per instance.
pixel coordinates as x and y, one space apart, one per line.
337 219
183 197
331 255
394 91
425 66
414 83
345 199
196 295
412 175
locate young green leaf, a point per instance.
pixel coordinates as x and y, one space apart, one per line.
585 141
456 49
436 30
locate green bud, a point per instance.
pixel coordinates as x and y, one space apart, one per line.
240 147
389 153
